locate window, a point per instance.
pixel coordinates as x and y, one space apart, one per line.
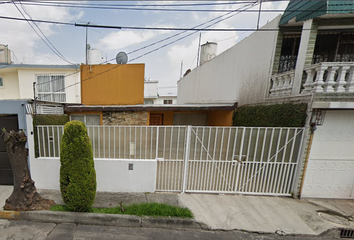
1 82
90 119
167 101
289 52
148 101
51 88
334 47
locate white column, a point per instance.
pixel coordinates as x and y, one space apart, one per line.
301 58
30 140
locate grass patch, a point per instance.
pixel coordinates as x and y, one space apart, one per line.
141 209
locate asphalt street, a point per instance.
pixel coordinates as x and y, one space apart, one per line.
26 230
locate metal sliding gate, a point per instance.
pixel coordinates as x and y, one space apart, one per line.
247 160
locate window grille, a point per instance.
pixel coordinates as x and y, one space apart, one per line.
167 101
89 119
148 101
51 88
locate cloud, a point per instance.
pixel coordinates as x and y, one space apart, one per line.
123 39
186 53
21 38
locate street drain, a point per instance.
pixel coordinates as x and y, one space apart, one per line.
346 233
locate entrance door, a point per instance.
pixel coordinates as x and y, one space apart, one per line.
9 123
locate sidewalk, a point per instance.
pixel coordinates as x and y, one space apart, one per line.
217 212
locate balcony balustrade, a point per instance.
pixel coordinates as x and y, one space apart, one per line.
321 78
282 84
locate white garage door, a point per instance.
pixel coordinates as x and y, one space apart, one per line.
330 171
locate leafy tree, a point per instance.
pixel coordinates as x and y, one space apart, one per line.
77 171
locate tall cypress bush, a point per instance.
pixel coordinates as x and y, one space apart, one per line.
77 172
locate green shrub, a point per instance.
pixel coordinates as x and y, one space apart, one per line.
46 119
77 172
278 115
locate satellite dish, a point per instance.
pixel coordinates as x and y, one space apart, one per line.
122 58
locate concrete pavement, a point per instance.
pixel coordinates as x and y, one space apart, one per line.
215 212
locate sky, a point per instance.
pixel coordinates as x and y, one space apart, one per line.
163 59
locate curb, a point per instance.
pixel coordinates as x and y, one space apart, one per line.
117 220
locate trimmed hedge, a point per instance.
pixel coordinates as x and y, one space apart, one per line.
278 115
77 171
46 119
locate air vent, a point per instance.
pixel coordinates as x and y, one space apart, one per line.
346 233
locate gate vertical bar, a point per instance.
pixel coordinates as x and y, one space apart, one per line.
157 155
186 157
238 177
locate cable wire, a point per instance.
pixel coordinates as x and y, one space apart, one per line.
56 52
156 49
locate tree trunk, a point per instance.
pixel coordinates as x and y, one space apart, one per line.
24 196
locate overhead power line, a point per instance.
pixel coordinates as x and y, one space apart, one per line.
145 5
156 49
143 28
48 43
135 7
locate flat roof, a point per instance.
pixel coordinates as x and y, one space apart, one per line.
6 66
152 107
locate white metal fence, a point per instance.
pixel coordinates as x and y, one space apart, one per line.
198 159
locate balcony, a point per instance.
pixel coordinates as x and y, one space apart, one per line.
321 78
282 84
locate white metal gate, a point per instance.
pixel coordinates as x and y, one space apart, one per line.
246 160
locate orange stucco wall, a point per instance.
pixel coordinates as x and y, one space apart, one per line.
220 118
167 117
112 84
215 118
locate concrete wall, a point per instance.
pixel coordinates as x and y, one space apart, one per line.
15 107
150 89
112 175
112 84
26 77
240 74
161 99
125 118
11 89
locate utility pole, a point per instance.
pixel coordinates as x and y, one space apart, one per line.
86 42
259 13
180 74
200 37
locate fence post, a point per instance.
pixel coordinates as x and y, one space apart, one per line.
186 157
157 141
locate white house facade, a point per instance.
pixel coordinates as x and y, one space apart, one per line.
152 97
53 83
308 56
